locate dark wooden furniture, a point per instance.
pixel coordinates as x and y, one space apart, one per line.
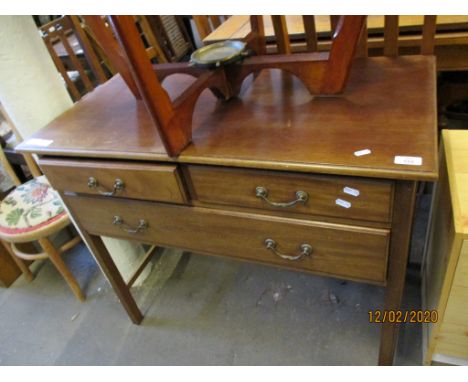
322 74
58 36
207 24
450 42
276 138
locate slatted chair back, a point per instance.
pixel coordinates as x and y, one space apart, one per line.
207 24
391 35
80 57
172 36
283 38
153 48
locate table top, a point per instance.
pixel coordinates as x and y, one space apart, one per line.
456 156
237 27
388 107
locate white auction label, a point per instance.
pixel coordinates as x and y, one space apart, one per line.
360 153
351 191
39 142
409 161
343 203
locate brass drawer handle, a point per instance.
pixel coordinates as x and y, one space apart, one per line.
262 192
119 185
142 225
306 250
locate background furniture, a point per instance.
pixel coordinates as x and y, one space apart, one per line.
20 167
445 266
68 44
33 211
207 24
451 39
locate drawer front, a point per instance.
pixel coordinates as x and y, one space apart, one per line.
137 180
335 196
343 251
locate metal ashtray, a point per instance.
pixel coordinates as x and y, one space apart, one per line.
219 53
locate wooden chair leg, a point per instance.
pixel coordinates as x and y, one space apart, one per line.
56 259
20 263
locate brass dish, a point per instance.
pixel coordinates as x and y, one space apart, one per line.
217 54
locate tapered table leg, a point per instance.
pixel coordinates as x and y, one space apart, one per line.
404 203
105 261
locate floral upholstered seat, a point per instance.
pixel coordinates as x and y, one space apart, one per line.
30 207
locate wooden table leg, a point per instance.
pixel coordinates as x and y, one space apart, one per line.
404 203
105 261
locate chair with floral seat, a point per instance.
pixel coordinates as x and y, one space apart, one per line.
33 211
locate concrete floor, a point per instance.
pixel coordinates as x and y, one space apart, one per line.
202 311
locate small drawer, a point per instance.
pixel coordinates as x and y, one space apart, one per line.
116 179
343 251
323 195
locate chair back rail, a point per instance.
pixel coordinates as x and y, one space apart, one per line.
310 42
283 40
93 60
58 32
112 49
207 24
154 49
391 35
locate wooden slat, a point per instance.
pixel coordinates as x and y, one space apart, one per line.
112 49
202 25
334 23
61 68
429 29
391 36
281 33
75 61
152 40
258 34
215 21
310 33
362 49
157 100
174 36
88 50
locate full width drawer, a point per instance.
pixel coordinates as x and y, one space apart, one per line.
117 179
337 250
344 197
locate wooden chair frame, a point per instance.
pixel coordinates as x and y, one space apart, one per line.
58 30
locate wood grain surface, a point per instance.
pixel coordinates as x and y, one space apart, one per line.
275 124
344 251
237 187
145 181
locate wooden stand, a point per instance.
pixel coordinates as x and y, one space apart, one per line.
321 73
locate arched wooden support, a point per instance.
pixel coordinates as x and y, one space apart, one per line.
321 73
173 119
